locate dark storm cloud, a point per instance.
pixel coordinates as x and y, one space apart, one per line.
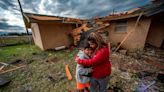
10 8
103 7
31 5
9 5
6 26
80 8
66 8
6 4
73 8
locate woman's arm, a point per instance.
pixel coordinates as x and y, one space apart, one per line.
101 56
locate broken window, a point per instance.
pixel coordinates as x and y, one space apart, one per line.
121 26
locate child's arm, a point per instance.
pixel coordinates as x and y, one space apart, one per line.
84 71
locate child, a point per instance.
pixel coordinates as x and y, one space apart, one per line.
83 73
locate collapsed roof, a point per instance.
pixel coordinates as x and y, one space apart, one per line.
34 18
148 10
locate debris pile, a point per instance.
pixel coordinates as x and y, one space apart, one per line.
80 34
52 59
9 67
155 53
130 74
56 77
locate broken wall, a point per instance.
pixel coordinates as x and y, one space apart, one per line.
136 39
156 33
36 35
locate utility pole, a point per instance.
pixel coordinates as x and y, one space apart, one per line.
23 16
24 22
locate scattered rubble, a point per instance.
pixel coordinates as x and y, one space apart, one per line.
26 88
51 78
56 77
52 59
11 66
129 72
4 80
143 88
160 77
17 62
80 34
138 71
123 52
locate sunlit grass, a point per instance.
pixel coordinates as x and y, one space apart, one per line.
35 75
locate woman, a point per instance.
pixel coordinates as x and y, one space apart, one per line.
99 62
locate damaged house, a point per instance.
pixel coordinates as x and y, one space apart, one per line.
149 29
50 32
136 27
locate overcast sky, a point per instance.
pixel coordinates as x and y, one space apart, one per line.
11 19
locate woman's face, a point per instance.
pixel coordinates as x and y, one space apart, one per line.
92 45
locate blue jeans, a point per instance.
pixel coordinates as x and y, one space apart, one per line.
99 85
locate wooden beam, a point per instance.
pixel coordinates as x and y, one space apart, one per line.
6 64
12 69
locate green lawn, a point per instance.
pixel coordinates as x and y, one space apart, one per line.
35 75
9 53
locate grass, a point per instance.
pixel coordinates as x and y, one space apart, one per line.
19 51
35 75
12 40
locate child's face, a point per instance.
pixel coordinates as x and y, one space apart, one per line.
88 51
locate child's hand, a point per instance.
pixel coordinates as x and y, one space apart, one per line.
77 59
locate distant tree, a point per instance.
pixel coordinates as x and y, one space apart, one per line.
13 34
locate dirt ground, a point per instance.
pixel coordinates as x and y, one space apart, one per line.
45 71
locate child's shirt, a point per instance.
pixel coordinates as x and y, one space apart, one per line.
81 71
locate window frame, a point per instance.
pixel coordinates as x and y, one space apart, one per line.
121 23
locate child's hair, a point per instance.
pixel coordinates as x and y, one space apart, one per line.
96 38
86 46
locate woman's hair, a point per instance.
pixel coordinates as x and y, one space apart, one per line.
96 38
